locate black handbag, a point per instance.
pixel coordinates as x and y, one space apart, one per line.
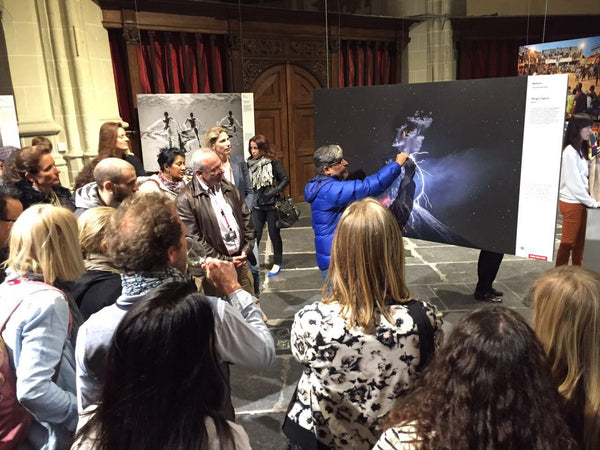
288 213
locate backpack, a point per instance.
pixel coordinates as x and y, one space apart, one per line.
14 419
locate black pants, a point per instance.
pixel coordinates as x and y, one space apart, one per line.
259 217
487 269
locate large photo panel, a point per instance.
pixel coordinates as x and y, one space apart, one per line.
181 120
466 138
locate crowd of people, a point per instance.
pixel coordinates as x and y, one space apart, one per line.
111 343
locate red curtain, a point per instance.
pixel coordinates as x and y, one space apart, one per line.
365 63
173 63
120 74
487 58
169 62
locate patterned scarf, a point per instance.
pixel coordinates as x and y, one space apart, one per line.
170 184
138 284
261 172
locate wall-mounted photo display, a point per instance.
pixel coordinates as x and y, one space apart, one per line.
9 130
487 156
181 120
579 59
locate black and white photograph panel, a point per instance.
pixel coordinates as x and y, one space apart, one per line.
181 120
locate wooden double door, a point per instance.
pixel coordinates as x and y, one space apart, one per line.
283 113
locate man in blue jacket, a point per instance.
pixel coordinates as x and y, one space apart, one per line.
329 194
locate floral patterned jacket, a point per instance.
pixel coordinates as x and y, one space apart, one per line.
351 379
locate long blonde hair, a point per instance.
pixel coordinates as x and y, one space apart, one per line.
366 272
566 319
44 241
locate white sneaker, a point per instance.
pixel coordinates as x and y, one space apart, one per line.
274 270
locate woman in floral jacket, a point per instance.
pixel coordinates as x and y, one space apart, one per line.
360 345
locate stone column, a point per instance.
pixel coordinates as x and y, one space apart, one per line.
62 76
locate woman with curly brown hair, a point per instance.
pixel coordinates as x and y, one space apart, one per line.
489 387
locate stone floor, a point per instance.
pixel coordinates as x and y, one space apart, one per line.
441 274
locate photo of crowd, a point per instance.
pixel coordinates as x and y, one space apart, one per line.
580 58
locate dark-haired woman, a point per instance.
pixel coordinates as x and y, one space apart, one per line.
268 181
574 197
112 143
39 181
163 390
170 177
489 387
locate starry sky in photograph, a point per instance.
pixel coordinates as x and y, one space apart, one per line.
473 149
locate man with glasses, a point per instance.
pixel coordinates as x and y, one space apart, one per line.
329 194
10 210
214 211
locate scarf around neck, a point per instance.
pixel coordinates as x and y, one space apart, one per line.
261 171
174 186
140 283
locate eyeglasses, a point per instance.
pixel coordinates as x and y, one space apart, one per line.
215 170
8 220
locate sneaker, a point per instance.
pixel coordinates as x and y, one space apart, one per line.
497 293
274 270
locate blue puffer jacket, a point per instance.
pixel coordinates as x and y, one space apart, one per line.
329 196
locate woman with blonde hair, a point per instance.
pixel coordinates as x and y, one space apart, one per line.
41 328
364 343
566 320
236 170
100 285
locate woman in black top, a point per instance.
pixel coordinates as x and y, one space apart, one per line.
268 181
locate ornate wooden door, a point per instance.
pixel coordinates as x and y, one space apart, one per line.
283 109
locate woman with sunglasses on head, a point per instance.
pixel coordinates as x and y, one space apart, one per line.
268 181
39 181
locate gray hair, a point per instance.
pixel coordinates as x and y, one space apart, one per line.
326 156
199 156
